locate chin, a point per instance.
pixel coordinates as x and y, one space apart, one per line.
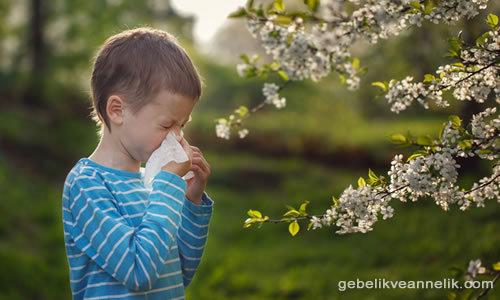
140 158
146 158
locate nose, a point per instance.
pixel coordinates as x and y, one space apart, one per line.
177 130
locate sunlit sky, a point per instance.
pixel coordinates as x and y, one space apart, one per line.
210 14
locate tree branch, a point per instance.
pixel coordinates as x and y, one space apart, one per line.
485 291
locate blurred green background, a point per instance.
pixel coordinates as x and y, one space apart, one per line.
320 143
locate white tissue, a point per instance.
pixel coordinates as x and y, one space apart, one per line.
169 150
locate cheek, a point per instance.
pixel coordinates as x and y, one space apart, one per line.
156 140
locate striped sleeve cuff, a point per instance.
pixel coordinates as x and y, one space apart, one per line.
205 208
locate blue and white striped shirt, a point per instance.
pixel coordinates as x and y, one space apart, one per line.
124 241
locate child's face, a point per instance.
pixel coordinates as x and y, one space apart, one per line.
142 133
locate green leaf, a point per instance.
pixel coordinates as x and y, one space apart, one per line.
241 12
309 226
292 212
279 5
242 111
250 4
303 207
312 4
484 151
245 58
381 85
275 65
441 131
429 77
429 5
398 138
297 14
289 39
283 20
455 120
492 20
335 201
413 156
260 12
283 75
361 182
255 214
262 221
424 140
249 222
454 46
496 266
263 76
465 145
355 64
416 4
372 178
342 79
481 41
294 228
251 72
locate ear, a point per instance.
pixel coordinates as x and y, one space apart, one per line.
115 109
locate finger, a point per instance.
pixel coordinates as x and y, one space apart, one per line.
204 166
196 150
197 153
187 148
201 158
197 171
200 155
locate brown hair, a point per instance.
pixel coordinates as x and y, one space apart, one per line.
136 64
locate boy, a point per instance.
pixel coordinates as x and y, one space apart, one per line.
124 241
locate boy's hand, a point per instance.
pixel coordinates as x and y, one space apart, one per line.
201 169
180 168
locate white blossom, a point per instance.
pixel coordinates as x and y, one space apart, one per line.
433 176
242 69
474 269
313 52
316 222
270 91
243 133
222 130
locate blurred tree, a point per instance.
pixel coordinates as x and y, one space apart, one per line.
45 53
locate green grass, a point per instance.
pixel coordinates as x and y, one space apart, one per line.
32 254
419 243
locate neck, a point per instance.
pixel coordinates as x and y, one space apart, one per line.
111 153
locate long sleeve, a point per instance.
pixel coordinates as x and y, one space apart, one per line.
192 235
133 256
